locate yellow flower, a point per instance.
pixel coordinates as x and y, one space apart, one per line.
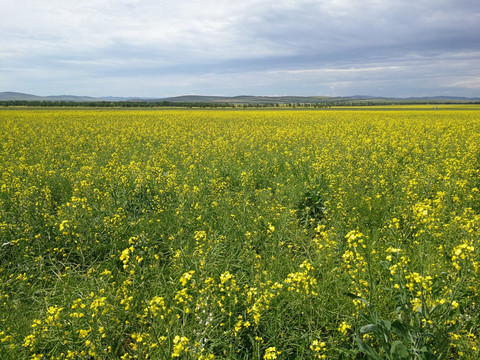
186 277
179 345
344 328
271 353
319 348
83 333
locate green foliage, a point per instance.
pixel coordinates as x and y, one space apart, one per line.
311 209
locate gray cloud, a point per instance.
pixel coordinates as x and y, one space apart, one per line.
161 48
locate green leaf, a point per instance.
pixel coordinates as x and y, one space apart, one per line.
400 329
370 328
387 325
367 350
398 351
427 354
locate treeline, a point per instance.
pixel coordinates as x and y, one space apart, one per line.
131 104
290 105
153 104
127 104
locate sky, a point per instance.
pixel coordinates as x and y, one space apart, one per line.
158 48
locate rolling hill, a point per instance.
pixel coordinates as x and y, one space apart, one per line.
241 99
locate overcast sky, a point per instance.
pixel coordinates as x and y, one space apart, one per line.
158 48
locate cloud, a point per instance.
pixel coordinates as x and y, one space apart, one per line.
260 45
469 83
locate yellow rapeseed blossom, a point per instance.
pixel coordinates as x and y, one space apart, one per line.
180 345
271 353
319 348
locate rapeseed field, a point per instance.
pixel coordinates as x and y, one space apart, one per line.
240 234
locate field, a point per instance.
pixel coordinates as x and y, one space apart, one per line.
240 234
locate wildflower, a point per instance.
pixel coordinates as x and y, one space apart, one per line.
179 345
416 304
344 328
63 225
319 348
83 333
271 228
125 256
186 277
271 353
224 277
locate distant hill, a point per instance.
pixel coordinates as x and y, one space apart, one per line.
242 99
69 98
9 95
247 99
